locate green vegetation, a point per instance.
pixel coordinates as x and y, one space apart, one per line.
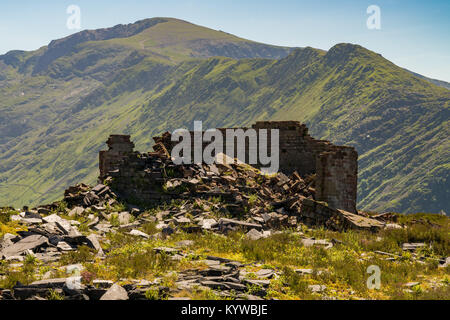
83 254
341 269
24 274
54 295
6 225
56 117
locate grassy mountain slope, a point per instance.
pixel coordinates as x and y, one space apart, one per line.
439 83
55 117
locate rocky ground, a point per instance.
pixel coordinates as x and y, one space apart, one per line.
227 233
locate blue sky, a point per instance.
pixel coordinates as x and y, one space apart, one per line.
414 34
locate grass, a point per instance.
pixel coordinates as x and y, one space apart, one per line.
5 215
343 269
24 274
8 226
403 145
437 237
153 294
54 295
114 220
83 254
128 258
149 228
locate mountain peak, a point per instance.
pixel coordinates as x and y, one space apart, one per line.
342 52
169 39
118 31
61 47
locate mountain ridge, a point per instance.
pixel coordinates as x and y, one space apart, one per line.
348 94
132 29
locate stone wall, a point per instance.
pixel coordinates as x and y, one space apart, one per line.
337 178
119 147
335 167
128 169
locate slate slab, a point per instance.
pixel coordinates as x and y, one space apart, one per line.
32 242
115 292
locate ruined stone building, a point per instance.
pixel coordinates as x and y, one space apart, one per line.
335 167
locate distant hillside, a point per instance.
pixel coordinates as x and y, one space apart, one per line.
60 103
439 83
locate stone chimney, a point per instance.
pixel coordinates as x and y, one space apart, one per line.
119 147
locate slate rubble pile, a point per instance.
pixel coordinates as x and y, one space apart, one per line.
211 198
272 201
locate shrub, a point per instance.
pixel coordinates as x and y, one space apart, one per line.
149 228
296 283
139 263
83 254
54 295
152 294
5 215
25 276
